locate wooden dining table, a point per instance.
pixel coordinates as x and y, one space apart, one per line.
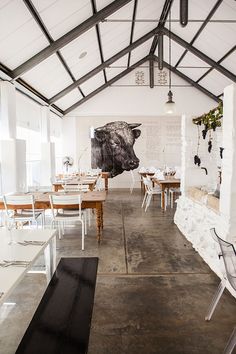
167 183
89 180
90 200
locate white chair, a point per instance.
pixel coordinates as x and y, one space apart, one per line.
99 183
172 193
25 211
58 203
133 181
79 188
93 172
231 343
32 189
228 253
75 188
149 192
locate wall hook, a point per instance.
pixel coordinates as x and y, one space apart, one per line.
205 169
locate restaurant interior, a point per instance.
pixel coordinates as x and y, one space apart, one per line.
117 176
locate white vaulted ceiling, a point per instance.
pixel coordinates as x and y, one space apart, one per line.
203 53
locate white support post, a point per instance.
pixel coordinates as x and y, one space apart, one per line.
12 150
47 149
228 186
7 110
192 175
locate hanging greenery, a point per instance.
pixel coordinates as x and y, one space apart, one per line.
197 160
210 120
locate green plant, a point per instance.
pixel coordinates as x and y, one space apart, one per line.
210 120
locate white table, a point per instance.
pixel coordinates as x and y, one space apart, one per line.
10 276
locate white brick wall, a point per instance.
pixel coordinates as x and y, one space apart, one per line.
195 219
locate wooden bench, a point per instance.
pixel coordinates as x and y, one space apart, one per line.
61 323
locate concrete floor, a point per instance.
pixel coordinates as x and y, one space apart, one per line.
152 290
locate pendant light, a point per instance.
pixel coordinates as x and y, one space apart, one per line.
170 104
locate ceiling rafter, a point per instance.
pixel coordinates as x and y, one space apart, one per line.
151 72
131 68
151 58
132 29
187 79
100 67
31 89
200 55
68 37
45 31
109 83
133 46
206 21
161 24
94 8
218 62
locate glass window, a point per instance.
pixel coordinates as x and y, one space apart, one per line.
33 154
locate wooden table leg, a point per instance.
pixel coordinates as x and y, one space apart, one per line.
106 184
105 177
99 221
142 187
102 216
163 198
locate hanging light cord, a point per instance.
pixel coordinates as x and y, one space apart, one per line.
170 50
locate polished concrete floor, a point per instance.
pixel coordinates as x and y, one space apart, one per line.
152 290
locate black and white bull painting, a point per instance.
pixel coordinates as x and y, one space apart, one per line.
112 147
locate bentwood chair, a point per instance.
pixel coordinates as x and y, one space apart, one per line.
25 211
228 253
59 217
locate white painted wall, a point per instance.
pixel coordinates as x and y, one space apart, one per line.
70 140
194 175
28 113
7 110
143 101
